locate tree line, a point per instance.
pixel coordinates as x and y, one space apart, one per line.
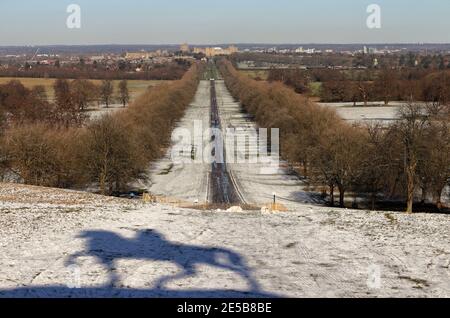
108 153
409 160
123 70
19 104
335 60
385 84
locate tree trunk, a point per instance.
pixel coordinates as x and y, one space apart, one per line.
437 199
332 195
410 190
373 199
424 196
341 197
102 183
104 174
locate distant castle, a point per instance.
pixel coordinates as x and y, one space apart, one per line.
210 51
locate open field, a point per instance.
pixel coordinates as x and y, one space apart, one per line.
136 87
373 112
261 74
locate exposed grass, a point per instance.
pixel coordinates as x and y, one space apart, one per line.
315 88
211 73
391 218
254 74
136 87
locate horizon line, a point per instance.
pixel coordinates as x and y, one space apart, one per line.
230 43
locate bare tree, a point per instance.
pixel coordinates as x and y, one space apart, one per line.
337 159
385 84
39 92
411 127
434 166
32 154
364 90
63 96
106 92
124 95
374 163
66 112
111 155
83 92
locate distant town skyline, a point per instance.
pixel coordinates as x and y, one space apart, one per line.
201 22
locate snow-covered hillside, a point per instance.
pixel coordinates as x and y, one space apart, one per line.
63 243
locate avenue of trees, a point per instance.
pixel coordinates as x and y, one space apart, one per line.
408 161
48 144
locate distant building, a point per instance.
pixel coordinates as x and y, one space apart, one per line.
98 58
216 51
137 56
185 48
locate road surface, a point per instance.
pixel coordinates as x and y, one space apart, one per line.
223 190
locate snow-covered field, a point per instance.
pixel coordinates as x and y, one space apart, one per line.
373 112
57 243
98 113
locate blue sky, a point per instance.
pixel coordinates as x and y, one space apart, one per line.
41 22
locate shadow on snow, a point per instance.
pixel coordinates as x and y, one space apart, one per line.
107 248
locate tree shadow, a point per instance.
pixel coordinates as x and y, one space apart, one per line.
108 248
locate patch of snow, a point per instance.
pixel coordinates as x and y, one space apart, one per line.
47 248
187 182
235 209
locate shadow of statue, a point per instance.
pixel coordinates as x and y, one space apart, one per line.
108 248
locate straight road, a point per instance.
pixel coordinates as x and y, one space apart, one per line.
222 190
